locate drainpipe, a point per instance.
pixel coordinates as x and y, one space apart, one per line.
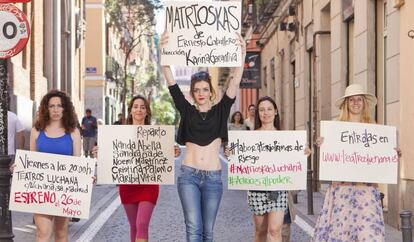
313 127
56 45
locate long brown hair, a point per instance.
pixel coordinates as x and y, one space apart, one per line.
365 117
69 115
147 120
233 120
258 122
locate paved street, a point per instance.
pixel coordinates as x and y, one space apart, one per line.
234 222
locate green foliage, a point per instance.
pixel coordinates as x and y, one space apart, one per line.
163 110
139 13
147 79
133 19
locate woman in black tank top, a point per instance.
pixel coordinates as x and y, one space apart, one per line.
203 127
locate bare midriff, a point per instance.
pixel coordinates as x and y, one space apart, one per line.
203 157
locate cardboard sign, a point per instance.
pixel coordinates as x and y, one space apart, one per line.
202 33
131 154
358 152
267 160
52 184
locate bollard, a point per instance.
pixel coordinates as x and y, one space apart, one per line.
295 197
406 228
310 192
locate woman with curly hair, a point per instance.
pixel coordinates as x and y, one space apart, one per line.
55 132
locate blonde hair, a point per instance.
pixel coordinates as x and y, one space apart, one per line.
365 117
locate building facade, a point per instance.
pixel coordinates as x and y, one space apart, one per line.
53 58
311 50
95 61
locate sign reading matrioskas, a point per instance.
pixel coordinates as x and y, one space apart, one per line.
267 160
131 154
358 152
52 184
202 33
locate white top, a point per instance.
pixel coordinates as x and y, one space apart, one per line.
13 127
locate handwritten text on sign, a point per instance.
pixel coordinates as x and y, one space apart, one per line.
52 184
267 160
202 33
130 154
357 152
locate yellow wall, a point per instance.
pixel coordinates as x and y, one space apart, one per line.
95 36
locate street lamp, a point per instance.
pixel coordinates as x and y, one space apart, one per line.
132 70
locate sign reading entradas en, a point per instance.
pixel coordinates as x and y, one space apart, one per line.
358 152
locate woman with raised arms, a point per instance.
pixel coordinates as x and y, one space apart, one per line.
202 129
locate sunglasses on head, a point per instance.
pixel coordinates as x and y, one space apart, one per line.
202 75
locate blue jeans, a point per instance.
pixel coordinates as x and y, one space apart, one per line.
200 194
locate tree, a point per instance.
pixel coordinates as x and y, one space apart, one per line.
163 111
135 20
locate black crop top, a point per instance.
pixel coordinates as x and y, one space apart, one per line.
201 128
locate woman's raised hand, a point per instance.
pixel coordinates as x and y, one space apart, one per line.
163 40
166 70
242 44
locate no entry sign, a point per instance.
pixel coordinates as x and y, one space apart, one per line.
14 30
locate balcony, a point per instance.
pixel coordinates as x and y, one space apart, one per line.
262 12
247 11
113 70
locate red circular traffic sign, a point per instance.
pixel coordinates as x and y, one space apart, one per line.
14 30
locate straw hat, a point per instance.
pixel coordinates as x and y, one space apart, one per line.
357 89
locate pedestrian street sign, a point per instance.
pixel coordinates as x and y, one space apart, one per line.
14 30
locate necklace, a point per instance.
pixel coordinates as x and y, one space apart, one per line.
203 115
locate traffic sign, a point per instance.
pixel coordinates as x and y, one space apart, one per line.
14 30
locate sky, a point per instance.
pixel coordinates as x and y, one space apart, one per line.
160 21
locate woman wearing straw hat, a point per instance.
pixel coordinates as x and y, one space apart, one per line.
352 211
